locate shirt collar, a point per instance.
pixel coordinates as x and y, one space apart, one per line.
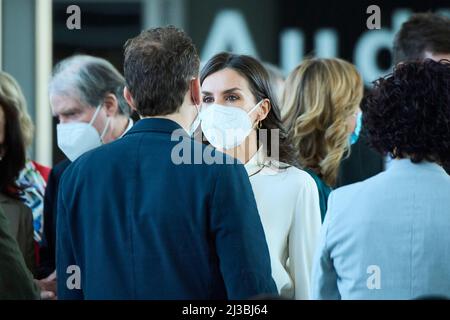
129 126
407 164
162 125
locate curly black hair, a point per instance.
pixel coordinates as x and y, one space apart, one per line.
407 114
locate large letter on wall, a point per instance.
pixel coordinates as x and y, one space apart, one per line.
229 33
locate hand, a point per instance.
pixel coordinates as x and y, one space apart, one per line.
48 287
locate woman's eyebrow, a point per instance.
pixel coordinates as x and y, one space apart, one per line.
206 93
232 90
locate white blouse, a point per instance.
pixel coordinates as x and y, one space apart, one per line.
288 205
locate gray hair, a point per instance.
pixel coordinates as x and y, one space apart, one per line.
89 79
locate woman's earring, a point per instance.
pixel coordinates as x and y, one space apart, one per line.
259 124
394 153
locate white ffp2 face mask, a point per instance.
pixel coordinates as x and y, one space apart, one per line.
76 138
226 127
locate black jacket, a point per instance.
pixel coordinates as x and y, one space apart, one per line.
48 246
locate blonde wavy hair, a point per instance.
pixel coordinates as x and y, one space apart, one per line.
11 93
320 95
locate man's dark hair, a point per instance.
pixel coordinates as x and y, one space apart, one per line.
159 64
422 32
407 115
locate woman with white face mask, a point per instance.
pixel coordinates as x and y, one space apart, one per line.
239 116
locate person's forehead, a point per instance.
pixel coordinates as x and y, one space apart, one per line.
223 80
65 103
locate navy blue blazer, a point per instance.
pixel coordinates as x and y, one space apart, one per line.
140 225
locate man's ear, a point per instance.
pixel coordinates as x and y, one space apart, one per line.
196 95
129 98
264 109
111 105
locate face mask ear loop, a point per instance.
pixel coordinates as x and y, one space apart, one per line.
95 115
197 107
196 120
255 107
106 129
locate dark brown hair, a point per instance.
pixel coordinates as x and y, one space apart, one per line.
159 64
422 32
14 157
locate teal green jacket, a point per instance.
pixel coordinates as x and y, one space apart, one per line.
16 281
324 192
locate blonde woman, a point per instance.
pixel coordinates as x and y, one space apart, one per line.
321 109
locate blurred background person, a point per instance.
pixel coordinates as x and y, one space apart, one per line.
12 162
321 101
32 179
86 95
16 281
424 35
387 237
240 117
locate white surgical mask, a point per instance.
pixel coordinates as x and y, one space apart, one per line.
76 138
226 127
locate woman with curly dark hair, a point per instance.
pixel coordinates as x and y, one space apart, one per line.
387 237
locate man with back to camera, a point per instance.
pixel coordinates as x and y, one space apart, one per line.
139 226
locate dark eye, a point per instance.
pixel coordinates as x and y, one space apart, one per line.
208 99
232 98
69 114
